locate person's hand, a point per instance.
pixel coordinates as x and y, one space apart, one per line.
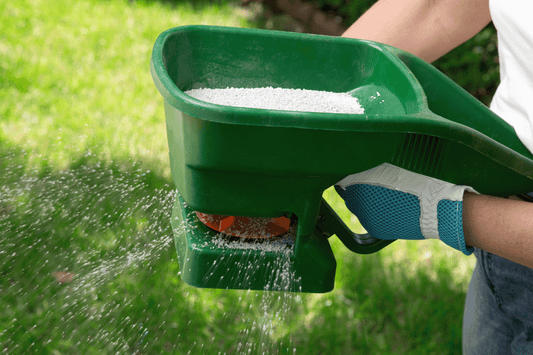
394 203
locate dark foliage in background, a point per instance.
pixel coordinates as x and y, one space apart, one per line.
473 65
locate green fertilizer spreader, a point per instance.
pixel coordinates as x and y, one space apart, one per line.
234 161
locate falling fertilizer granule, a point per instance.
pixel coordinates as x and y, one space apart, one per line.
281 99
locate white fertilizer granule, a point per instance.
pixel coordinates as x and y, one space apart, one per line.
281 99
281 245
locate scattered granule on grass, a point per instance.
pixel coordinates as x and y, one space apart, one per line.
281 99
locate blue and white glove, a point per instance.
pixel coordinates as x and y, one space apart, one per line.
394 203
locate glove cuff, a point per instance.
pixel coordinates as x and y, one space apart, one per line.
450 225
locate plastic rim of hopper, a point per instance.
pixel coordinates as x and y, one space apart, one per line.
246 227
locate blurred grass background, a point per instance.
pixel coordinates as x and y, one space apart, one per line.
87 262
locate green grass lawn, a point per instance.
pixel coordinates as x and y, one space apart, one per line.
87 262
77 76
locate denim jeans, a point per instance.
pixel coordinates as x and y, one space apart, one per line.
498 314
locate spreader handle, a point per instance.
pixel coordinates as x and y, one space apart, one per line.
329 223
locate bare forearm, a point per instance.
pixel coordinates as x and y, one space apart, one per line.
501 226
426 28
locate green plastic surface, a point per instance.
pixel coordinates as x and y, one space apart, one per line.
265 163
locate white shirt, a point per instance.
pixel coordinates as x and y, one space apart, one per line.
513 100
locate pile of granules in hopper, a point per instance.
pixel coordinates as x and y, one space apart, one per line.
281 99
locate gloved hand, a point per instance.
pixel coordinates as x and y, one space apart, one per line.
394 203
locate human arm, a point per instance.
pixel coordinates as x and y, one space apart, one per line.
426 28
500 226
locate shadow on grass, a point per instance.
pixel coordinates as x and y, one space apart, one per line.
87 260
381 308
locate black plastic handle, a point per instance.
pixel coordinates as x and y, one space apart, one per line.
329 223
